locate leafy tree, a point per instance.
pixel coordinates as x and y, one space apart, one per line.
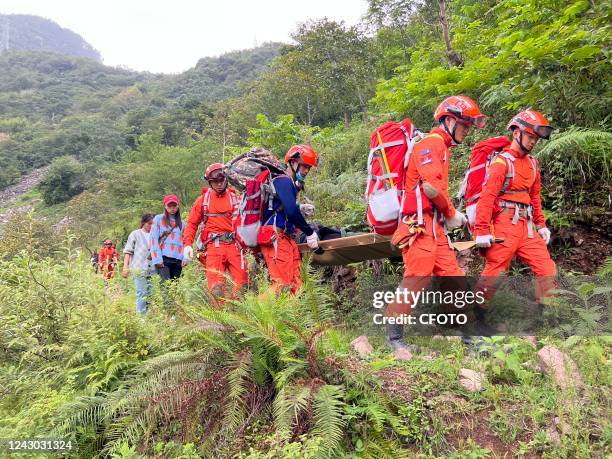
277 136
327 75
290 87
64 180
550 55
227 122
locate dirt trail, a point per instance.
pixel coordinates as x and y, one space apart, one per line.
13 192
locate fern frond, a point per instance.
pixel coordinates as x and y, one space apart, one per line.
172 358
378 447
288 404
85 411
590 147
605 269
293 367
328 418
238 380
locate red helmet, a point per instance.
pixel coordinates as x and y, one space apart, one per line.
210 169
304 154
532 122
461 108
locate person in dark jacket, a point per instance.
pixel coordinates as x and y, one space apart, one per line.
277 243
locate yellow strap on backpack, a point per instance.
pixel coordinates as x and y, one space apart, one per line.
384 156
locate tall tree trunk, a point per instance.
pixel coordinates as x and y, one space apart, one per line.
308 109
453 57
224 145
362 102
347 119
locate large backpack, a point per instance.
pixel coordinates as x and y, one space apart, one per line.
483 154
253 172
390 147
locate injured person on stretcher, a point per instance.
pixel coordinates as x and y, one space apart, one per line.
342 247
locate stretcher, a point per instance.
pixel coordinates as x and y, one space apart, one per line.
362 247
352 249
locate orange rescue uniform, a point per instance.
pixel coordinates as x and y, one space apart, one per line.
284 262
511 215
221 254
430 253
107 258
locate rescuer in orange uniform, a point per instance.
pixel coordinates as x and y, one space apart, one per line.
428 205
107 259
280 222
216 208
510 206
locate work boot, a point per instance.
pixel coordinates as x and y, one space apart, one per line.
539 319
481 327
394 337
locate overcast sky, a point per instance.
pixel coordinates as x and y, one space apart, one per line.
171 35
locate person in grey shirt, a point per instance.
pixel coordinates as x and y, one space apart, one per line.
137 260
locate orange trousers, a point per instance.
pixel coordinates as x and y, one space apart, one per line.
284 263
532 251
427 256
107 270
226 256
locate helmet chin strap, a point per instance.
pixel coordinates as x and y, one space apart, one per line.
298 184
451 133
520 142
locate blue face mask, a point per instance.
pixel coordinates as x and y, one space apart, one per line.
299 177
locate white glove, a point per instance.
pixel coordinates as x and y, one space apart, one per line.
456 220
544 234
484 241
313 240
307 209
188 254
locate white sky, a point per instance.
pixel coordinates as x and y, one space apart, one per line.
171 35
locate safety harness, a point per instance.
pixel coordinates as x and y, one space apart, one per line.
526 209
218 238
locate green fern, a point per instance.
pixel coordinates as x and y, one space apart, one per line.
328 416
606 268
585 152
235 403
289 404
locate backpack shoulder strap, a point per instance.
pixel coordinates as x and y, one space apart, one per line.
205 205
509 160
235 202
411 139
233 198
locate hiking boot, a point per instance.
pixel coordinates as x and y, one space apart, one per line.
394 337
481 327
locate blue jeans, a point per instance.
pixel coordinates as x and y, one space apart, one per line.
144 287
